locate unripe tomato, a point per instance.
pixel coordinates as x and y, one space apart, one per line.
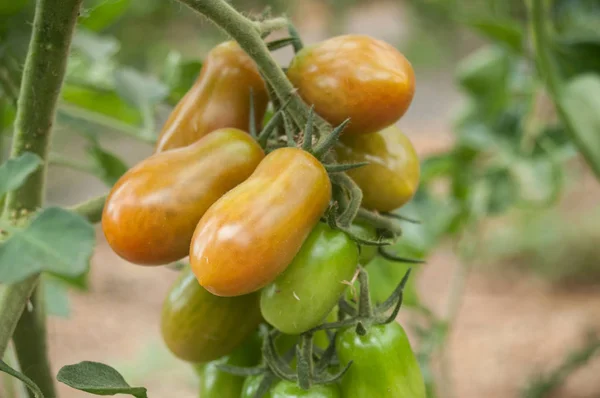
251 385
215 383
384 365
356 77
198 326
392 177
304 294
219 98
152 211
288 389
252 233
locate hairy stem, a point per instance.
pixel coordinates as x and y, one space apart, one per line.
31 347
43 75
248 35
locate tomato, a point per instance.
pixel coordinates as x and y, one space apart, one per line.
367 253
356 77
288 389
251 385
219 98
215 383
392 177
152 211
252 233
198 326
304 294
384 364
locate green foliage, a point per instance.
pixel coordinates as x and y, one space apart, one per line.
98 379
99 14
35 390
14 171
110 167
179 75
57 240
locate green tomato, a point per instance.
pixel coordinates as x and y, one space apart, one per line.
304 294
367 253
288 389
384 364
215 383
251 385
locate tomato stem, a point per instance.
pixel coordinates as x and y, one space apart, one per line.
43 75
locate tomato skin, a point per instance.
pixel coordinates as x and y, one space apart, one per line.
288 389
356 77
251 385
152 211
384 364
304 294
215 383
219 98
198 326
392 177
252 233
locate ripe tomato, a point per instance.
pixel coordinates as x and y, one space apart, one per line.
392 177
304 294
219 98
384 364
152 211
198 326
252 233
288 389
356 77
218 384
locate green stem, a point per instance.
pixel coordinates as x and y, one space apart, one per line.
90 209
246 33
30 344
43 74
545 61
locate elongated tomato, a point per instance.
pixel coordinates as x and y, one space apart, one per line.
219 98
252 233
152 211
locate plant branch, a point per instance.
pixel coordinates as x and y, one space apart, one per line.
247 34
30 344
44 70
90 209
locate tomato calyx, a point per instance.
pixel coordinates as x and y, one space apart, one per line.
366 315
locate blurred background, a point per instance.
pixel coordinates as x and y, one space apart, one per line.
508 302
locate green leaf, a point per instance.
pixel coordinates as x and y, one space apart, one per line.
580 102
98 379
105 102
14 172
501 191
577 56
110 167
95 47
56 297
139 90
37 393
539 179
506 32
484 71
179 75
102 13
577 18
57 240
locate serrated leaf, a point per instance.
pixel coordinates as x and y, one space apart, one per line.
56 297
139 90
37 393
110 167
580 102
103 13
98 379
14 172
57 240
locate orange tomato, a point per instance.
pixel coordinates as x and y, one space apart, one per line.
356 77
219 98
392 177
252 233
152 211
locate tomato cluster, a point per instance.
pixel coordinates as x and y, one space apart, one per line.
258 222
